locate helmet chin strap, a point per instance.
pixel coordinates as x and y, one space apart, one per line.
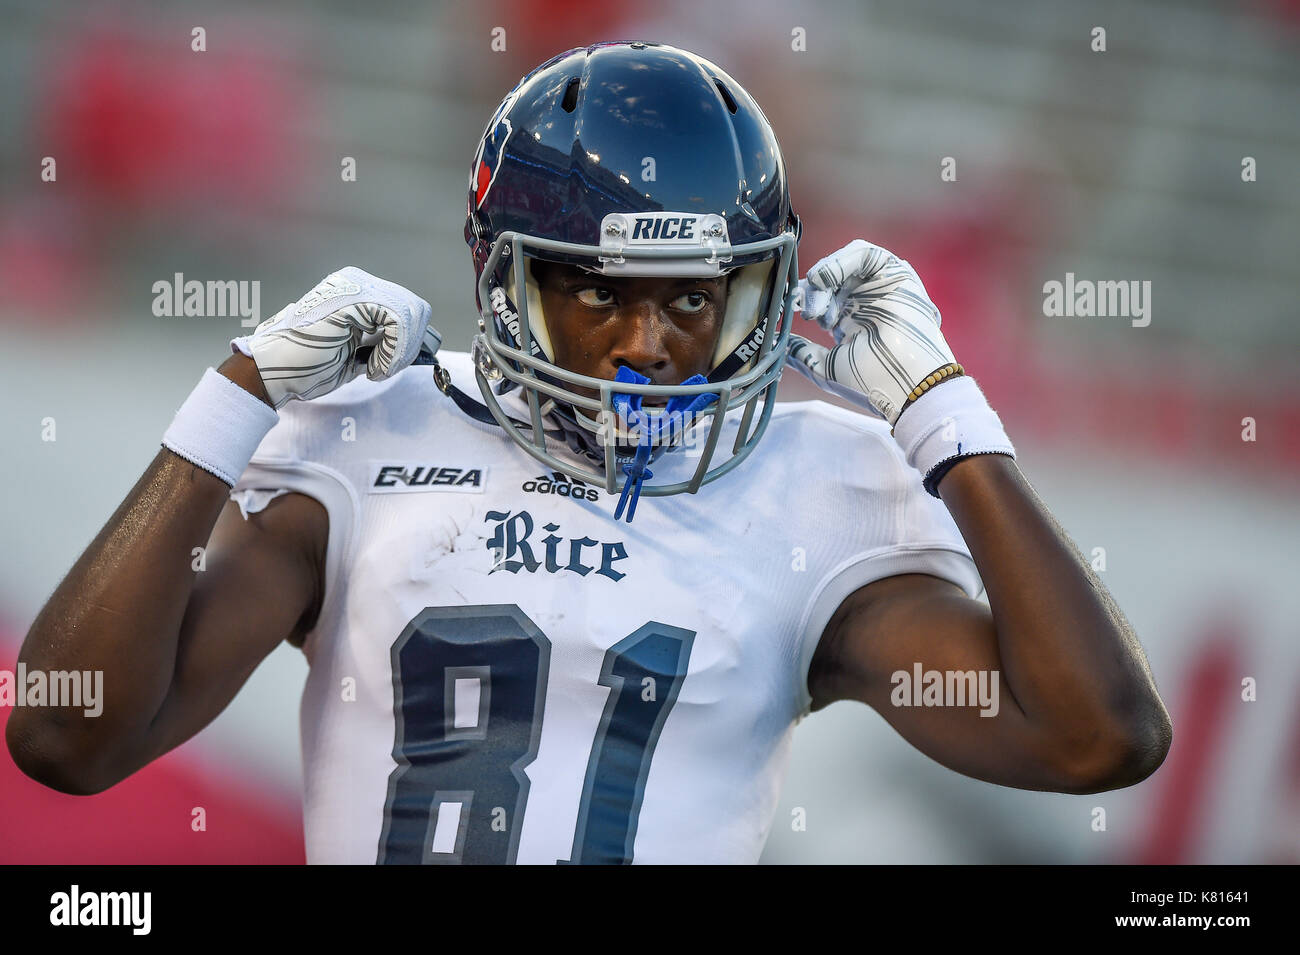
474 408
573 435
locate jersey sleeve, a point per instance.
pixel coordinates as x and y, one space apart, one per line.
296 457
907 532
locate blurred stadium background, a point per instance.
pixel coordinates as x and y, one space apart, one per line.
1116 165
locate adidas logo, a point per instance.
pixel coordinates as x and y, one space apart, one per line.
560 484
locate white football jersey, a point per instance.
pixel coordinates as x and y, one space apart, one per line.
501 672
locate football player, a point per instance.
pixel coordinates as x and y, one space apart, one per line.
511 659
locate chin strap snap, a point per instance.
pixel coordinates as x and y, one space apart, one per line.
649 427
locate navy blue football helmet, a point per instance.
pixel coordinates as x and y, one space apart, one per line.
630 159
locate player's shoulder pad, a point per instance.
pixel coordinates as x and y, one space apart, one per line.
844 435
827 421
411 396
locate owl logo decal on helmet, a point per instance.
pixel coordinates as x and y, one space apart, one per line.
487 161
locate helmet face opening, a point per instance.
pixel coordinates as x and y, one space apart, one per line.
563 179
511 349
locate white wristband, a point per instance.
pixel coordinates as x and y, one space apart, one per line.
219 427
949 422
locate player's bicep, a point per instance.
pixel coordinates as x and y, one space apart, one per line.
261 583
888 625
888 644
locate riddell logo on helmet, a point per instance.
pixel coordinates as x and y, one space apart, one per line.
559 484
748 349
509 317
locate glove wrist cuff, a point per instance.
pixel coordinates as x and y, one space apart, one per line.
219 427
946 424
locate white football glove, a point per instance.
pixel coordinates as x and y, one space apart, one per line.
349 323
885 326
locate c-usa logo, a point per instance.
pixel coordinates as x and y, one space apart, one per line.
491 148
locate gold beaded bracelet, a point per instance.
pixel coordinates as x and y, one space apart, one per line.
950 370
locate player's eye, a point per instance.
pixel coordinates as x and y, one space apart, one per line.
595 297
690 302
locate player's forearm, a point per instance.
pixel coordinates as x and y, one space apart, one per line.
118 613
1070 658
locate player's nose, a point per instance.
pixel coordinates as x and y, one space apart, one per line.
641 342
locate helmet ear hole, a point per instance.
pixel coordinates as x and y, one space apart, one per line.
727 97
570 101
